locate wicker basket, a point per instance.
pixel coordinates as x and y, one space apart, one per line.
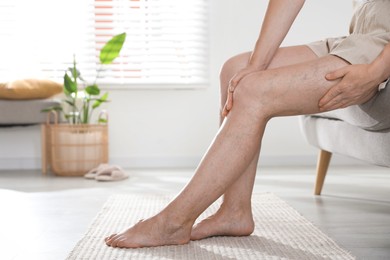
73 150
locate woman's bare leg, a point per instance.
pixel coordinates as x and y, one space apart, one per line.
234 217
291 90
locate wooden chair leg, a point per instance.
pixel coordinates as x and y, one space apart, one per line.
322 168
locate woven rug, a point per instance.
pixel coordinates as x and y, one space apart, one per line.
281 233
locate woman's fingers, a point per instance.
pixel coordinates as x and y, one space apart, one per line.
233 83
229 101
228 105
355 86
330 98
337 74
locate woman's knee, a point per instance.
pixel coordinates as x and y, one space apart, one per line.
254 94
231 67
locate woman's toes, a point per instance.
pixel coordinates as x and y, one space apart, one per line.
109 242
114 243
121 243
109 237
113 240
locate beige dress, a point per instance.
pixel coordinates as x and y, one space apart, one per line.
369 33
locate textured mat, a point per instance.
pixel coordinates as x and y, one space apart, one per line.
281 233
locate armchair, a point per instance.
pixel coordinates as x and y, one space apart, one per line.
361 132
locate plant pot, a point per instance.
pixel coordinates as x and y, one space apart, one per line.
73 150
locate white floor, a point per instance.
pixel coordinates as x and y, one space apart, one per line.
44 217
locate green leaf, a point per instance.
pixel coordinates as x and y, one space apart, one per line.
101 100
69 102
102 120
96 104
53 108
104 97
75 73
67 116
93 90
112 48
69 86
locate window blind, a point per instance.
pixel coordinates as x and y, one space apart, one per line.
167 40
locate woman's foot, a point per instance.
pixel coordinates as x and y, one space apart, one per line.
224 223
154 231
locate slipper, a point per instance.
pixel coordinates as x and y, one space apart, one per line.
111 173
91 174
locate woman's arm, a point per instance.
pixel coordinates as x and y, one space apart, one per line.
358 83
277 22
278 19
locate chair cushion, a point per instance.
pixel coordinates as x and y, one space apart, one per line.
340 137
29 89
26 112
373 115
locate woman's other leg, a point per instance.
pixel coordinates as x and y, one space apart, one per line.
234 218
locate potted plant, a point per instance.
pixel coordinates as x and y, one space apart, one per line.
75 147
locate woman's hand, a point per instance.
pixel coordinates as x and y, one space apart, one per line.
277 21
357 85
232 86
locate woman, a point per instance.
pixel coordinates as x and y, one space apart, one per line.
268 82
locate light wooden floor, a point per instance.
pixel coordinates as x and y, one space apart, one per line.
43 217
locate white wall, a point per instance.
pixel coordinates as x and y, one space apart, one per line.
173 128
